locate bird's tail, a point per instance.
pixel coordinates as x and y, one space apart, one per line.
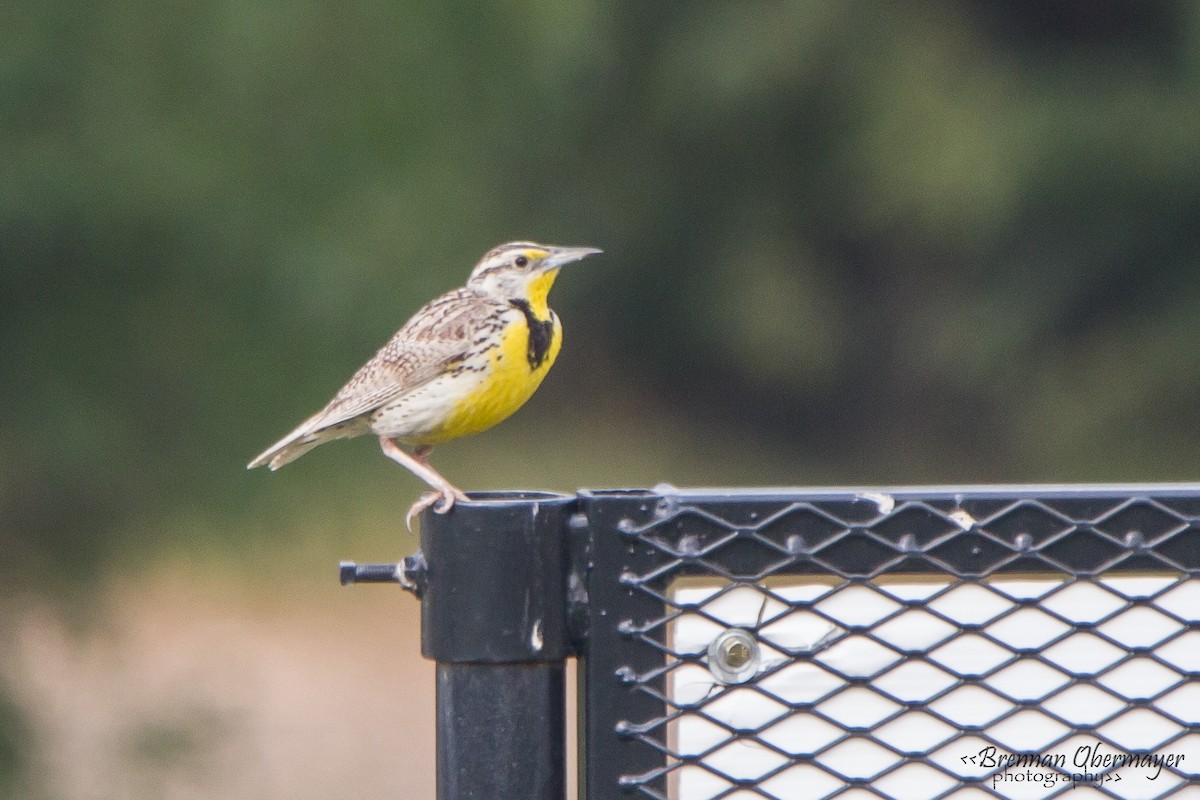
300 441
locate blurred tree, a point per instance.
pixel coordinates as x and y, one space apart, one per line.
937 241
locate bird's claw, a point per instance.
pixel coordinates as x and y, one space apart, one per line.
441 500
423 502
450 495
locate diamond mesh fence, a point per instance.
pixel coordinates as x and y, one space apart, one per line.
1006 642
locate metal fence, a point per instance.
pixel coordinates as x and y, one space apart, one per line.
911 643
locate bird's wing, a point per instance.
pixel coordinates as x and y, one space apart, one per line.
439 334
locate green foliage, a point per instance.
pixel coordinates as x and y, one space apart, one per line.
942 241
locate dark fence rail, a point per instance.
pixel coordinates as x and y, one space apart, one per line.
783 644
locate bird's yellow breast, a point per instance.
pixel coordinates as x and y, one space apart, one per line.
509 380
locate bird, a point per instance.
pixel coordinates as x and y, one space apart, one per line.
464 362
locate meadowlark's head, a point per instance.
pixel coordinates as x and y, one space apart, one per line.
523 270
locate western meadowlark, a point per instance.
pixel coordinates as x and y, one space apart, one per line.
463 363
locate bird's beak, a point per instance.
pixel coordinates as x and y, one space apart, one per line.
566 255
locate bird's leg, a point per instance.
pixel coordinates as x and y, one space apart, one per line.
421 454
418 464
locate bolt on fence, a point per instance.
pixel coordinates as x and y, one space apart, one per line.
1012 641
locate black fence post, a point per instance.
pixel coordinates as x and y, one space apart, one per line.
493 617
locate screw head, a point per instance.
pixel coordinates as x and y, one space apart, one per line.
736 653
733 656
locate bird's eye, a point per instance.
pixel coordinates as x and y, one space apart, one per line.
522 262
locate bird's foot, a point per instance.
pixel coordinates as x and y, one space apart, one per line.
444 498
449 495
423 502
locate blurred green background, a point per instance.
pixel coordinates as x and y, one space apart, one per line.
845 243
